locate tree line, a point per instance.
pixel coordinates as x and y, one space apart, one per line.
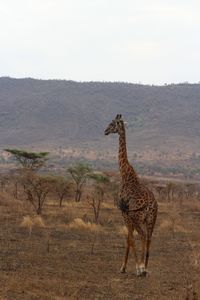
35 186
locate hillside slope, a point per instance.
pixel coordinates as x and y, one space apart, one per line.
62 113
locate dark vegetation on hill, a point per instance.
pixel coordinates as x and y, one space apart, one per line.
58 113
34 110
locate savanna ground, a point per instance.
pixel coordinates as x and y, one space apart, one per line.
61 257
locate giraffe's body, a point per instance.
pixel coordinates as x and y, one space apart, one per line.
136 201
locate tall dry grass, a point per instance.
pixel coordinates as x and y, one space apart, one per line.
79 224
29 222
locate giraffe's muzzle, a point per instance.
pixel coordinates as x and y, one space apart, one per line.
106 132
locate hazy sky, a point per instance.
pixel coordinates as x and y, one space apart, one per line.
143 41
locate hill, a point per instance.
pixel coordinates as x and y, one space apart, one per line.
163 121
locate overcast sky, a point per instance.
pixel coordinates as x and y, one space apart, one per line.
145 41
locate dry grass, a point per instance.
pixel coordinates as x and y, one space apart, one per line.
79 224
182 229
29 222
123 230
192 205
172 226
4 200
7 201
73 204
38 221
73 258
32 221
108 205
195 256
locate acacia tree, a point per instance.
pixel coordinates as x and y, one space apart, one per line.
96 198
62 188
29 160
80 172
36 189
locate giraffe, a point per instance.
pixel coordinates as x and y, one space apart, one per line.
136 202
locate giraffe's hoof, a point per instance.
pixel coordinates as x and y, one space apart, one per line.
138 272
143 273
122 270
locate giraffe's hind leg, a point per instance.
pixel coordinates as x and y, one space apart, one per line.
133 246
150 228
130 243
123 267
143 271
148 243
143 236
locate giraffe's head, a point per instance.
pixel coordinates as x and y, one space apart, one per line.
116 126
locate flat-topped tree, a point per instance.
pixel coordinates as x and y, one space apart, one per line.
29 160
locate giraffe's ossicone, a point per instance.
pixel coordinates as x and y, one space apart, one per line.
136 202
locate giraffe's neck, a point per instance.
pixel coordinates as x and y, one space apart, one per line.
126 170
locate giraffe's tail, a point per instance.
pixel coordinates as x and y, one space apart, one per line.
123 205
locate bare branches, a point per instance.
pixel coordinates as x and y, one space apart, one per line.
36 189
